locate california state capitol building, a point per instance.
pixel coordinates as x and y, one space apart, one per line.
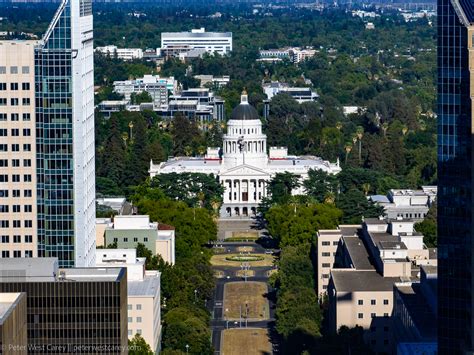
243 166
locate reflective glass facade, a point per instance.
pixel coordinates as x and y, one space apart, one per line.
455 177
54 127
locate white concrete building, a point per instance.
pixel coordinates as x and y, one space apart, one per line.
121 53
300 94
244 168
154 85
143 293
212 42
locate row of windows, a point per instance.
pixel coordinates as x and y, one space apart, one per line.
16 223
372 315
372 302
14 86
130 332
14 70
16 239
15 148
125 240
26 101
16 208
130 319
17 253
15 164
130 306
329 243
15 132
328 254
15 117
16 193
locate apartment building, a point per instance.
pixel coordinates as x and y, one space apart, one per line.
143 293
212 42
128 231
121 53
18 225
73 310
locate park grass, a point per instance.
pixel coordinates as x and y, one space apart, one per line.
241 239
220 260
241 295
245 341
245 249
240 273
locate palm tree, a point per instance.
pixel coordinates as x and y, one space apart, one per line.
188 150
201 150
366 188
360 134
347 148
338 125
385 128
404 130
330 198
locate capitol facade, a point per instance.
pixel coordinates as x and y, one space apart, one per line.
243 166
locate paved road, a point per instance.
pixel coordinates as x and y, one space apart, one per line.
218 323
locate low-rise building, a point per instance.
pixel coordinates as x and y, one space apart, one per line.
214 81
370 259
407 203
143 292
173 43
74 310
13 326
121 53
300 94
128 231
108 107
415 314
294 54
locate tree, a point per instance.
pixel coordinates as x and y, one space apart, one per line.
183 132
320 184
355 205
138 98
112 161
429 227
281 187
138 346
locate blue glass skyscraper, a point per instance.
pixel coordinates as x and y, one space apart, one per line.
64 77
455 176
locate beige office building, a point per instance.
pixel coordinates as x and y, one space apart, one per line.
18 237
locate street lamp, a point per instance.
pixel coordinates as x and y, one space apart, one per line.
130 125
195 295
187 348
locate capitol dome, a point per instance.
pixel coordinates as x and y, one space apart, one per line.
244 111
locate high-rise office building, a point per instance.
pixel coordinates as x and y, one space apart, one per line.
455 176
64 75
18 236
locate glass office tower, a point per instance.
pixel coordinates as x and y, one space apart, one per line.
455 177
64 77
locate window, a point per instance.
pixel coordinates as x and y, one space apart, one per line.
5 254
15 132
27 193
14 101
139 331
14 86
360 302
3 86
145 239
3 132
4 224
25 86
13 70
5 239
3 147
139 319
373 315
15 147
16 223
15 163
28 253
3 101
3 193
139 307
115 240
27 178
125 240
135 240
326 254
26 101
326 243
28 239
3 178
3 116
26 117
129 307
360 315
15 117
16 193
130 332
3 70
385 302
325 276
16 208
26 132
27 147
4 208
3 163
130 319
17 239
385 314
25 70
326 265
28 223
373 302
16 177
27 163
335 243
